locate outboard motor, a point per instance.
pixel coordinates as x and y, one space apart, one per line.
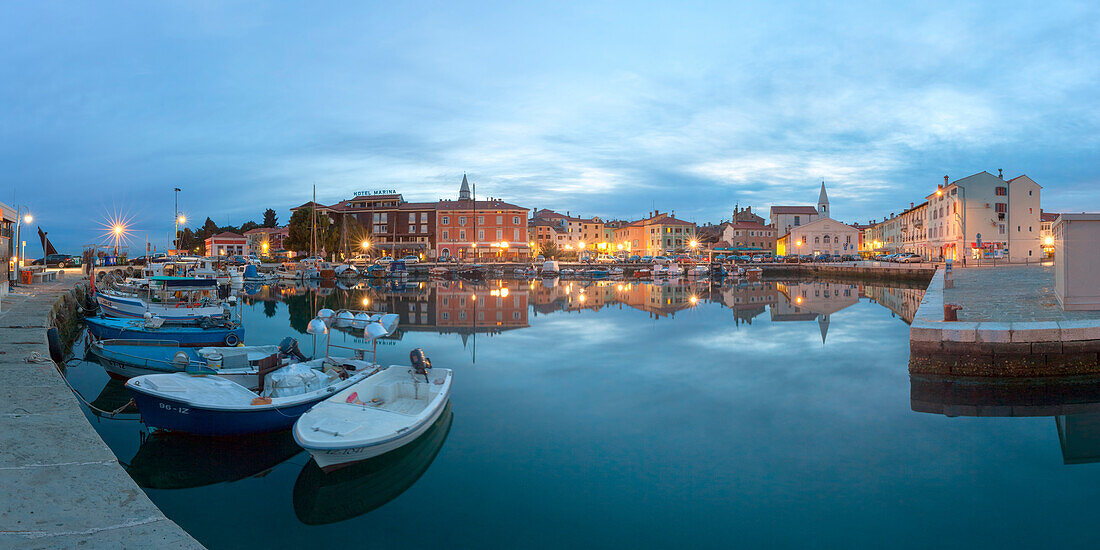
289 348
420 362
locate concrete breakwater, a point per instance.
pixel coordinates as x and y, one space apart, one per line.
1007 348
63 486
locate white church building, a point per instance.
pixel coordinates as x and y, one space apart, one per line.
822 235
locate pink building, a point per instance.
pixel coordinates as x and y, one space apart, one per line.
226 244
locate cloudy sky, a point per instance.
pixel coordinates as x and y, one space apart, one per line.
607 109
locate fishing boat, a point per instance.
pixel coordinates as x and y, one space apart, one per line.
375 415
170 298
566 272
550 268
597 273
472 271
698 271
219 406
346 271
616 271
643 273
203 331
329 497
125 359
252 274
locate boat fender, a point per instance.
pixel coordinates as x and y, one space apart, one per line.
231 339
54 340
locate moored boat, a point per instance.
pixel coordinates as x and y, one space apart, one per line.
376 415
203 331
125 359
170 298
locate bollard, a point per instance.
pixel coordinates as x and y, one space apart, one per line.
951 312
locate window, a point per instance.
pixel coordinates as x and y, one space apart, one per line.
462 234
462 220
798 220
423 217
481 234
446 235
481 220
1002 208
1002 191
423 228
515 220
500 234
412 229
500 220
412 217
446 220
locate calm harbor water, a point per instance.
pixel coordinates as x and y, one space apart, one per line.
771 414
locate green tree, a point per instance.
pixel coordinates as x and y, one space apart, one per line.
549 250
248 226
299 232
209 228
270 218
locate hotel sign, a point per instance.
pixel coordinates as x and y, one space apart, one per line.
376 192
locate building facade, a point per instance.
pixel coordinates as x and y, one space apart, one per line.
749 237
226 244
786 218
823 236
481 229
984 216
659 233
264 241
7 240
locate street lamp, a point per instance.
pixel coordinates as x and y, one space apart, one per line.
798 244
20 250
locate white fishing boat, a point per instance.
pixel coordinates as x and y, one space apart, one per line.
375 415
698 271
170 298
346 271
550 268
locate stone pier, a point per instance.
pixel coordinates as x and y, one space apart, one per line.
62 485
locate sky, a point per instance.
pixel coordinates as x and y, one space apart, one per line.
610 109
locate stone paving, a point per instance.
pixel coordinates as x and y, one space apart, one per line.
1014 293
62 485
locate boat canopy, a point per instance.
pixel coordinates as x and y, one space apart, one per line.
184 282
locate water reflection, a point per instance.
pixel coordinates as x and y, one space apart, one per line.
179 461
321 498
1074 403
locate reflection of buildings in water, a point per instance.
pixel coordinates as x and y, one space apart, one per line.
659 300
902 301
1079 435
809 301
748 299
1074 403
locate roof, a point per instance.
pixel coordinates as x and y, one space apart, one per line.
227 235
480 205
665 219
823 198
793 210
1023 177
1048 216
417 206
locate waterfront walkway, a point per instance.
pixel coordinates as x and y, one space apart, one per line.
1009 293
63 487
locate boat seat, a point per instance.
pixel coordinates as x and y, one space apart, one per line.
235 360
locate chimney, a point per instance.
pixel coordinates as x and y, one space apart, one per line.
910 205
1000 173
945 181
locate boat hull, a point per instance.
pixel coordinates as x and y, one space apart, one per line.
186 336
168 414
128 307
333 459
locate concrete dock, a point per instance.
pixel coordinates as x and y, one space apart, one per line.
63 487
1009 325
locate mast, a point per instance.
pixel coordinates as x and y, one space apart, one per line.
313 224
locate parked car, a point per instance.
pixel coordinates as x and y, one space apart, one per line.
660 260
909 258
634 259
647 259
606 259
758 259
410 259
58 260
385 260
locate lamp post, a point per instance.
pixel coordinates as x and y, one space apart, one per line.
798 244
178 219
20 250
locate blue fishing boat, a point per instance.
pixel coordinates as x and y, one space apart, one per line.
219 406
124 359
205 331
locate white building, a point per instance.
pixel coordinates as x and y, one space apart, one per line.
786 218
1003 216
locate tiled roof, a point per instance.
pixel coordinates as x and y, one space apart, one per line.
417 205
665 219
228 235
1048 216
481 205
793 210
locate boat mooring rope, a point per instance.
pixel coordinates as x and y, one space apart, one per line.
36 357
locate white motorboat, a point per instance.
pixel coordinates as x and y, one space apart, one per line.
550 268
375 415
170 298
698 271
346 271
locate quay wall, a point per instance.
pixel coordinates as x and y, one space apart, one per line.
1004 349
64 487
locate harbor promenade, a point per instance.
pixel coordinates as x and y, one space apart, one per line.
63 487
1009 324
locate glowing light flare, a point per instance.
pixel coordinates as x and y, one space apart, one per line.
1049 241
693 300
116 229
504 293
798 300
182 219
365 245
28 218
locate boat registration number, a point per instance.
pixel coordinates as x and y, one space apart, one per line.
170 407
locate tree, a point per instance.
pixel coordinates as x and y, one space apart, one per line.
270 218
549 250
209 228
299 232
248 226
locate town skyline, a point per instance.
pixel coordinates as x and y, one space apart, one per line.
567 108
